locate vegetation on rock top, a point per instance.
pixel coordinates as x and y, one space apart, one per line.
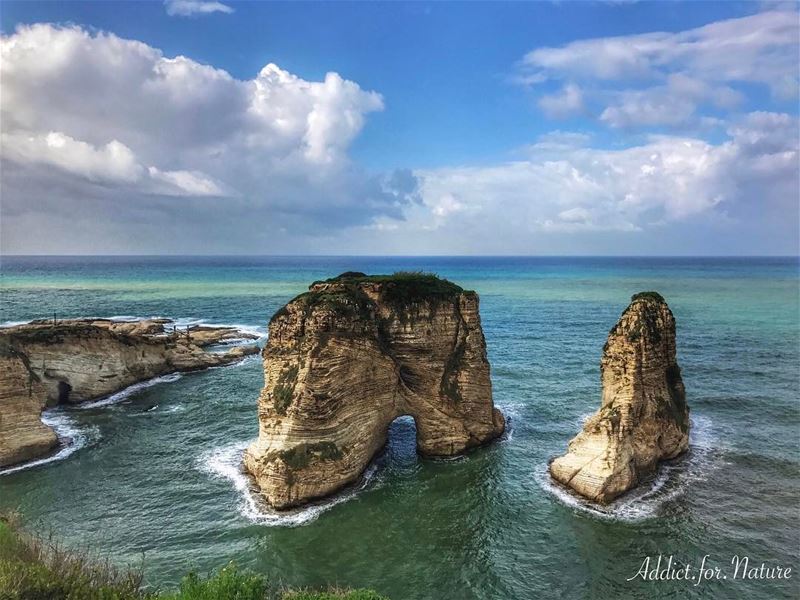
648 296
401 290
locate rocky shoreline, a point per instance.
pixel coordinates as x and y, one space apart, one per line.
344 360
46 363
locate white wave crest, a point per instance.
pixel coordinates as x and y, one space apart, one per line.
71 438
129 391
511 413
226 463
672 479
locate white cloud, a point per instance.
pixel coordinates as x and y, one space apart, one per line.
113 162
189 8
667 182
566 103
83 109
673 103
185 183
669 77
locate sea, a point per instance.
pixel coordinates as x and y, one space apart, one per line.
151 476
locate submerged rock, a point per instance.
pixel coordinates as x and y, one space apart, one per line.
348 357
43 364
643 417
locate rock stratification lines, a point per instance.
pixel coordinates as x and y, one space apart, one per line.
346 358
643 417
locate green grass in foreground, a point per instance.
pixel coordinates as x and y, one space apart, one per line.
34 567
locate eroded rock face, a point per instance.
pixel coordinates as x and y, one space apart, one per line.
345 359
643 417
42 364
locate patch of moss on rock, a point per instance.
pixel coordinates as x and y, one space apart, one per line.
284 389
301 455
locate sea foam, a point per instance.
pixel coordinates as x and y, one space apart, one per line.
672 479
71 439
225 462
129 391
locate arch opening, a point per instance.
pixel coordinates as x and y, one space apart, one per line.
401 442
64 390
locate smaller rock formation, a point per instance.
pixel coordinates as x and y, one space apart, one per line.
352 354
643 418
43 363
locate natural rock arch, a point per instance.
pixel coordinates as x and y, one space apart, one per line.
347 358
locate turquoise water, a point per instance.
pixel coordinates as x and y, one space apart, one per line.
154 472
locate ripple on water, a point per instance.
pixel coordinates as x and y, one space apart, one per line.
646 501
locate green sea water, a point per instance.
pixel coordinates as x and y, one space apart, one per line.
154 471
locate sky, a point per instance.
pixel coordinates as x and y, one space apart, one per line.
541 128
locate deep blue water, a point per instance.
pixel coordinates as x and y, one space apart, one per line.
164 482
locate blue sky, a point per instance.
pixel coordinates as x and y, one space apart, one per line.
464 99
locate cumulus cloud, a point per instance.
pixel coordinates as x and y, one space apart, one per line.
189 8
669 183
664 79
121 120
566 103
113 162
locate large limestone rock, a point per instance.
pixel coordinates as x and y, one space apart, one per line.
23 436
346 358
43 364
643 417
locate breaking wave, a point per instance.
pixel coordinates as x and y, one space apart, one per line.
70 436
129 391
671 480
226 463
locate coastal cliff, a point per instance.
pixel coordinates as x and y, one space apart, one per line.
346 358
643 418
45 363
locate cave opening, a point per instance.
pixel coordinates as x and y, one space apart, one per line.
401 447
64 390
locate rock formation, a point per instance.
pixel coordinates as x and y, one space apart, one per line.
346 358
643 417
43 364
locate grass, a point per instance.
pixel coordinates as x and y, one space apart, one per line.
405 287
648 296
39 567
36 567
401 290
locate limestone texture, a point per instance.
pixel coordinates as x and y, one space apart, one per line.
45 363
643 417
348 357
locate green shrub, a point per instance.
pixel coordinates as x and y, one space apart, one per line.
226 584
648 296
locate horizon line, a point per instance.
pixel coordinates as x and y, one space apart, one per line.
241 255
